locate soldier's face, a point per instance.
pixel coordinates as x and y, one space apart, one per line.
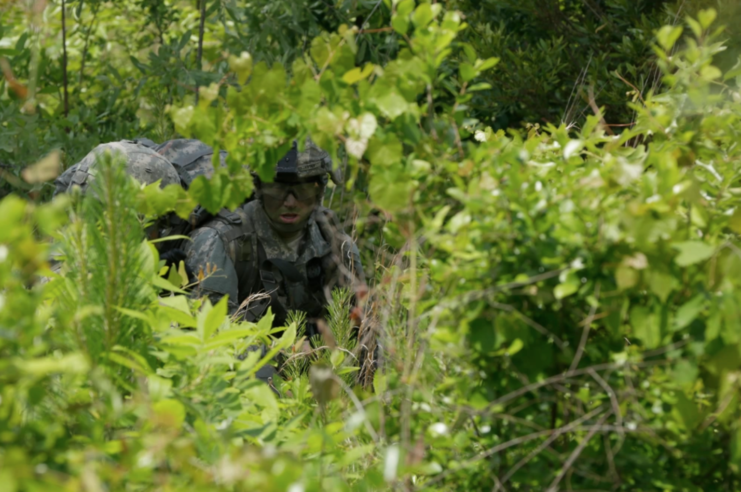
289 205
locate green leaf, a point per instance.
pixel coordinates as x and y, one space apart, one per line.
171 412
686 411
405 8
688 312
354 454
661 284
163 284
646 326
710 73
691 252
383 151
706 17
380 383
357 74
482 66
481 86
400 24
467 72
390 190
736 449
211 194
668 35
228 336
626 277
392 104
423 15
213 319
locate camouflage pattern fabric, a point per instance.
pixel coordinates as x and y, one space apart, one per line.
226 251
191 158
142 163
61 184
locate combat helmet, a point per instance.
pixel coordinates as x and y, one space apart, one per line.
312 162
142 163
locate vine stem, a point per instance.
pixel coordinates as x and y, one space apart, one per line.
199 56
64 59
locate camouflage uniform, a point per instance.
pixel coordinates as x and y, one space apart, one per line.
142 163
191 158
249 256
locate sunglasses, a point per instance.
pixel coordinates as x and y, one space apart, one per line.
303 192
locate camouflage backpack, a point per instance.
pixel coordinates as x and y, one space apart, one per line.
175 161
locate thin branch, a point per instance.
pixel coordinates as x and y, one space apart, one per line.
88 32
585 332
548 442
64 60
358 406
576 453
505 445
199 55
561 377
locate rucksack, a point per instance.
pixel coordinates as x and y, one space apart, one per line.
190 158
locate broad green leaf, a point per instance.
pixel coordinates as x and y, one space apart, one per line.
241 65
170 413
391 104
390 191
689 311
691 252
661 284
210 194
486 64
707 17
686 411
646 326
668 35
176 302
355 454
384 150
226 337
380 384
357 74
404 8
163 284
400 24
423 15
467 72
213 319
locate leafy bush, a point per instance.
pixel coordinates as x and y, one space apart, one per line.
553 309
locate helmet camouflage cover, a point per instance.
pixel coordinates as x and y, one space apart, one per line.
142 163
309 163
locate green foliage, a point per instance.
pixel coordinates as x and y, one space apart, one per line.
550 309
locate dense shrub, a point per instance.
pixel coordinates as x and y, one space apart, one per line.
554 309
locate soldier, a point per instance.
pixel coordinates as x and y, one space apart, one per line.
284 244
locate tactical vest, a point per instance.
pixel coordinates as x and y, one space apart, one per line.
298 286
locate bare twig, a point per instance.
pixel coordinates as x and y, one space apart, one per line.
199 55
598 111
513 442
561 377
358 406
576 453
64 59
585 332
549 441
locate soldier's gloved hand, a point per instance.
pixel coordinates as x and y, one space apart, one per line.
172 259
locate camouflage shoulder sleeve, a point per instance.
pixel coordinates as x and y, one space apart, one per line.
207 257
61 184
